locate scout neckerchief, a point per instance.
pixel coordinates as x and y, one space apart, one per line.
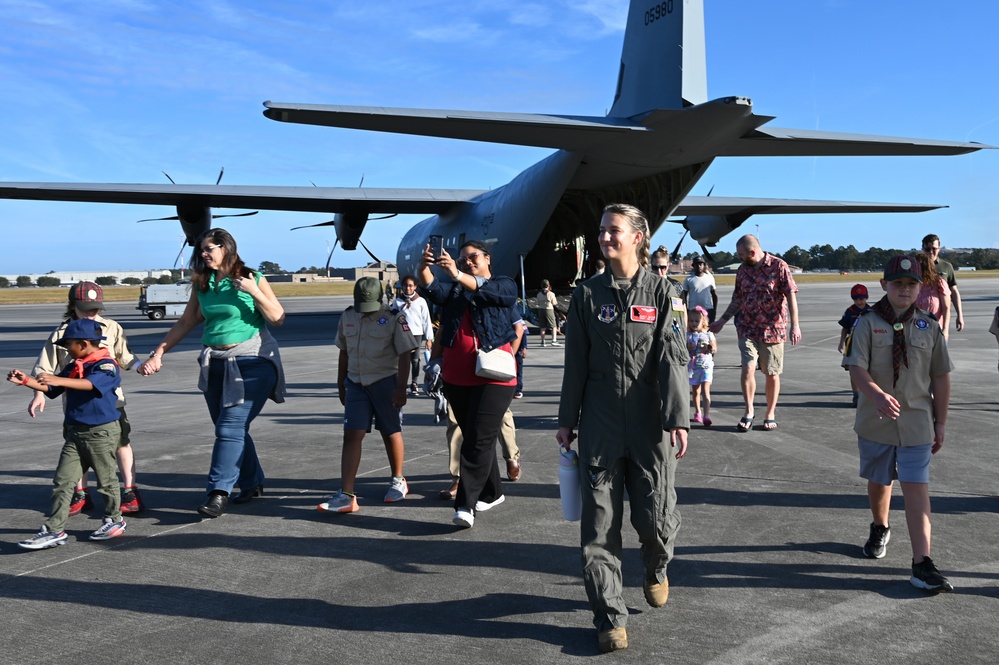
899 355
77 371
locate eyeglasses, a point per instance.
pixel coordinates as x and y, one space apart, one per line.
658 267
471 258
209 248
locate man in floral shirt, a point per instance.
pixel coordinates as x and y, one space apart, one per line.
763 304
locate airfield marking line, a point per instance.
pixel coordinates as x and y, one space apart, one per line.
107 549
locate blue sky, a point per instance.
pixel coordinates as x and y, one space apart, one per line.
120 90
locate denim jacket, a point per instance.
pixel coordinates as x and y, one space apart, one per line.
493 309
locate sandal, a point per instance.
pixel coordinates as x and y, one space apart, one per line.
745 424
769 425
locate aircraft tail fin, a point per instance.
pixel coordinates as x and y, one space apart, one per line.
662 62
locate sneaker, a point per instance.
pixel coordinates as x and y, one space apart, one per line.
81 501
131 502
876 545
518 395
397 491
464 518
556 343
413 390
543 345
110 529
697 418
44 539
926 576
613 640
341 502
483 506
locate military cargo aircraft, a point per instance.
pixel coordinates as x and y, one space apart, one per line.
658 139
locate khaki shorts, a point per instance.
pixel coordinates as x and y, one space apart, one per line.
770 357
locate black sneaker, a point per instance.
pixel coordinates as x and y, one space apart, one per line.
926 576
876 545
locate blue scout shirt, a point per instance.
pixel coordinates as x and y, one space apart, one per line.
96 406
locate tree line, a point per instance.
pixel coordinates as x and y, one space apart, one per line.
24 282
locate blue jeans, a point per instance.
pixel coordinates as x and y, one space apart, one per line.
234 458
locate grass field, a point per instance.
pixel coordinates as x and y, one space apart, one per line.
284 290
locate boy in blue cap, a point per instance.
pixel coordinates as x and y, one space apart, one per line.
899 359
91 429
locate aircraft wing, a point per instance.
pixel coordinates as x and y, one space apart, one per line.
528 129
780 142
721 205
303 199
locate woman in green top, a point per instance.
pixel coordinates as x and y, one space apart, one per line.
240 363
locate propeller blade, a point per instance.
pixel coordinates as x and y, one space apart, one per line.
707 254
221 171
373 257
159 219
180 254
711 190
309 226
676 252
236 214
330 257
168 177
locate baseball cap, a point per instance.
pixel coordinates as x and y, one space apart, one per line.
903 265
86 295
858 291
367 295
697 259
82 329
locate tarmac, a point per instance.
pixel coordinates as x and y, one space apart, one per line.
768 565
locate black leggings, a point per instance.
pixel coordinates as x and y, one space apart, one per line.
479 411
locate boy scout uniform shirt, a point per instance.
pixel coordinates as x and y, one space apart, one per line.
625 378
54 358
373 342
97 405
928 357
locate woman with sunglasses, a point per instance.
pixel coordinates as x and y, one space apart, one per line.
477 312
240 362
625 388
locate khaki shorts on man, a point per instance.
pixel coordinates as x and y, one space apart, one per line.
770 357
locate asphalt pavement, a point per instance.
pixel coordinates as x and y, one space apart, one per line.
768 563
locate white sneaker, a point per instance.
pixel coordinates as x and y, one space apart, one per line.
398 489
482 506
109 529
463 518
44 539
341 502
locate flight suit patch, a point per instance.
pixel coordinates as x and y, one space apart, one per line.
643 314
607 313
678 305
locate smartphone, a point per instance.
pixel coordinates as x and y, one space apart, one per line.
437 246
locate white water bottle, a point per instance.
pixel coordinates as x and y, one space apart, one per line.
568 485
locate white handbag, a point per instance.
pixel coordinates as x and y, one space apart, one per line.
495 365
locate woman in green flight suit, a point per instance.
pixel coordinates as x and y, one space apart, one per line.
625 360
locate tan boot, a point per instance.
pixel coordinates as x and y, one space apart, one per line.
613 639
656 595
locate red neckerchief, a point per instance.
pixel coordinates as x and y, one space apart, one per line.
899 354
77 371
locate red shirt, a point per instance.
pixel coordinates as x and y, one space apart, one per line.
459 360
761 293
